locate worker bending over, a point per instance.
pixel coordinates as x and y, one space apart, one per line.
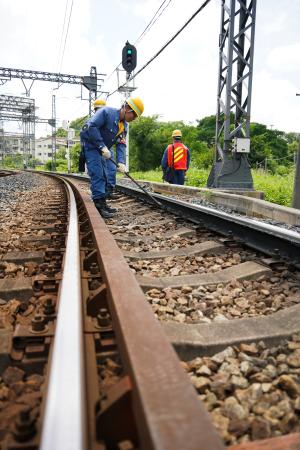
106 128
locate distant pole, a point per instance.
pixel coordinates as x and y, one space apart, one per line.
296 194
68 150
266 164
53 140
70 139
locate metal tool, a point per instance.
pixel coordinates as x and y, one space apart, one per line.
139 186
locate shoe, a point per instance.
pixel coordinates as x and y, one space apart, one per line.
101 206
109 209
112 195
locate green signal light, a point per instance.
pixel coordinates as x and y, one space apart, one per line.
129 51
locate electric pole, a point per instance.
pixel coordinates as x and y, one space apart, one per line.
231 169
53 140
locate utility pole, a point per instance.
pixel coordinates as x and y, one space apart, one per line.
70 137
231 169
53 134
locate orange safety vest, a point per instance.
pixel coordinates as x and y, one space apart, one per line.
180 156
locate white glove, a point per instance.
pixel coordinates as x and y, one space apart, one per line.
105 153
121 168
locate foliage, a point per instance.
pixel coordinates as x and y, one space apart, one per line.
207 129
149 138
59 163
145 144
278 189
61 132
13 161
77 124
74 155
61 153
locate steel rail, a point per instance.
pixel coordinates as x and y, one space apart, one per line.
167 412
64 425
269 239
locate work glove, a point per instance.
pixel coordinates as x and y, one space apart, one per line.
121 168
105 153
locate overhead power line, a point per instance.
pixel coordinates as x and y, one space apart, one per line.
148 27
63 52
62 32
152 21
164 47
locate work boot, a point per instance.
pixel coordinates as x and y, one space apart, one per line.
111 195
109 209
100 204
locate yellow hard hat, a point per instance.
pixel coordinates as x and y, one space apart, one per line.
136 104
99 103
176 133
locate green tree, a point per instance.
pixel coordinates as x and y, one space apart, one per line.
61 132
207 129
144 145
74 155
77 124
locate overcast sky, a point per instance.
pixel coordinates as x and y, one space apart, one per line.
181 84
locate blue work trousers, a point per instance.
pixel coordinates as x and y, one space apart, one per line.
178 177
97 170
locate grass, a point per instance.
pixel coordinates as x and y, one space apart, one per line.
277 188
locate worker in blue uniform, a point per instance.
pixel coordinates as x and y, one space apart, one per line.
111 167
107 127
98 103
176 160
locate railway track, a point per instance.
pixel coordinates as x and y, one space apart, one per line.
224 295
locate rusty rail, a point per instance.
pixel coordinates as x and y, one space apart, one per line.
167 412
64 425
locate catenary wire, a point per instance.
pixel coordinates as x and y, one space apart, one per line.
152 21
164 47
63 53
62 32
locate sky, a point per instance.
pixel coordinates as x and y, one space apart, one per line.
180 84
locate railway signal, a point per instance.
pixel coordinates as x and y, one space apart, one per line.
129 57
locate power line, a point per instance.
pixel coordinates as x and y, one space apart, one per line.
62 32
63 53
148 27
152 21
164 47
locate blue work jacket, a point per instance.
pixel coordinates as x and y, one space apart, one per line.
101 130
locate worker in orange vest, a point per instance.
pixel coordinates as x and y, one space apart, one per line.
176 160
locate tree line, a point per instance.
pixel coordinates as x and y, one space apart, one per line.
149 137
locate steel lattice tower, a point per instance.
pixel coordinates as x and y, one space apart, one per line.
231 169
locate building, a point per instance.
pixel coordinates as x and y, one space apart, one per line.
43 147
13 144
